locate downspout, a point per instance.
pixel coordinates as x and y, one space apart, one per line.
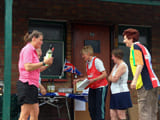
7 60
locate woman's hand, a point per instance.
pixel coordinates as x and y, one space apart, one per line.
76 80
133 84
92 81
48 61
43 91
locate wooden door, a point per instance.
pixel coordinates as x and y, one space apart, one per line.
82 33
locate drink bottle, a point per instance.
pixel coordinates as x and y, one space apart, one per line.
49 52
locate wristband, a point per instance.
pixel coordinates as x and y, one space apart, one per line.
44 63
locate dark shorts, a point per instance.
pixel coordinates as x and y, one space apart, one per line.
120 101
27 94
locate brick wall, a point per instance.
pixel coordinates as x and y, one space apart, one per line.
71 11
155 49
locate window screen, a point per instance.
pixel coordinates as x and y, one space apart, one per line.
53 33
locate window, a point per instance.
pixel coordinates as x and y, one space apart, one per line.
144 38
53 33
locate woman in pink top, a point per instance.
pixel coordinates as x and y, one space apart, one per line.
29 71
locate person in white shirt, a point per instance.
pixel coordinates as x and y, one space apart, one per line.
120 95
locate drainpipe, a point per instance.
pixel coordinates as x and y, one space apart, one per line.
7 60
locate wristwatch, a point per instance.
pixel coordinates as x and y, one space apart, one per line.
44 63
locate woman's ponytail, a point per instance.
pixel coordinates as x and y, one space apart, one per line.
28 37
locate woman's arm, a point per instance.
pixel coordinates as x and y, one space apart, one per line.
79 79
135 78
110 75
34 66
120 71
103 75
42 68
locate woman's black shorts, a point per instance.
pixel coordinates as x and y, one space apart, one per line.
27 94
